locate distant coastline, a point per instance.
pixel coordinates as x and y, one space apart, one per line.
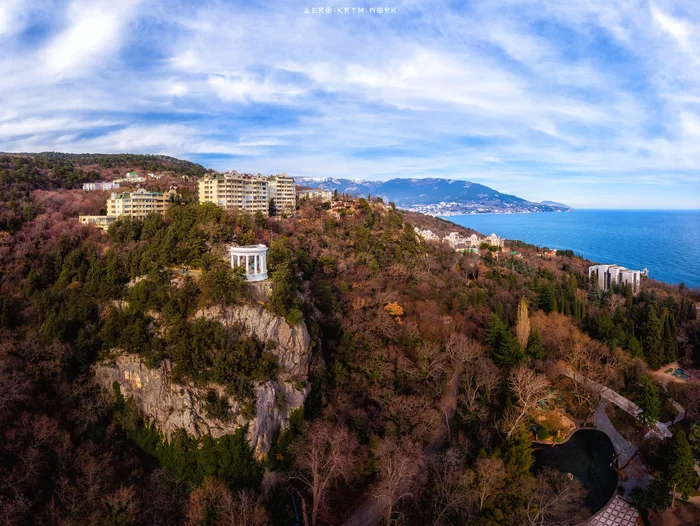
667 242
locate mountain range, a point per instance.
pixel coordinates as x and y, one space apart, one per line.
435 196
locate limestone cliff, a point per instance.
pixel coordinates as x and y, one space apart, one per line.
172 406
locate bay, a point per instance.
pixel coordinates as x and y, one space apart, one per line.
667 242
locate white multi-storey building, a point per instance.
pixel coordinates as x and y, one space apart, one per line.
100 185
249 193
609 274
282 193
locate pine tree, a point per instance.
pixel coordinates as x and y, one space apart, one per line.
649 401
496 330
535 345
508 351
679 472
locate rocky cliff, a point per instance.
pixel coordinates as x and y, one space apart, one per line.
172 406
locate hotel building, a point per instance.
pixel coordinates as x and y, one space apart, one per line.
282 193
609 274
249 193
138 204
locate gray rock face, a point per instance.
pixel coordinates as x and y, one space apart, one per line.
267 326
172 406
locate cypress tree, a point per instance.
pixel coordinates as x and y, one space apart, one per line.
653 338
679 473
670 341
595 295
649 401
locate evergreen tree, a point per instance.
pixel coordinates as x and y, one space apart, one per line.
679 472
628 297
508 351
670 338
535 345
495 332
652 330
634 347
649 401
694 439
595 295
656 497
517 453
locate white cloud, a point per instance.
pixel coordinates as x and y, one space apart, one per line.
526 92
246 88
96 30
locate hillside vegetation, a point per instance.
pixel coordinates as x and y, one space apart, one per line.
420 352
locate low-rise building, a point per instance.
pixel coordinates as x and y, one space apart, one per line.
315 193
100 185
428 235
606 275
493 240
102 222
138 204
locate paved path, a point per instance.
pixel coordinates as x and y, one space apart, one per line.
659 429
617 513
630 463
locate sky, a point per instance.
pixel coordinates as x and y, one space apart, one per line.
592 103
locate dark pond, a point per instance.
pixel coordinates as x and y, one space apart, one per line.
587 456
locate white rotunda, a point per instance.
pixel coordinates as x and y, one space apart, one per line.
253 259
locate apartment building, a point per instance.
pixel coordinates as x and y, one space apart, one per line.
249 193
138 204
282 193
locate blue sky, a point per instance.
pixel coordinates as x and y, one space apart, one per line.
594 103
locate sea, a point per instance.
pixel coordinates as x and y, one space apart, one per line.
667 242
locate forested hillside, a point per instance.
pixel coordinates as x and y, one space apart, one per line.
420 352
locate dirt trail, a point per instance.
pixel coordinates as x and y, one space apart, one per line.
373 510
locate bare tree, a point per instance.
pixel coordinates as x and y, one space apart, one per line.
397 465
479 379
324 457
555 499
242 509
462 350
530 389
451 491
522 324
491 474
